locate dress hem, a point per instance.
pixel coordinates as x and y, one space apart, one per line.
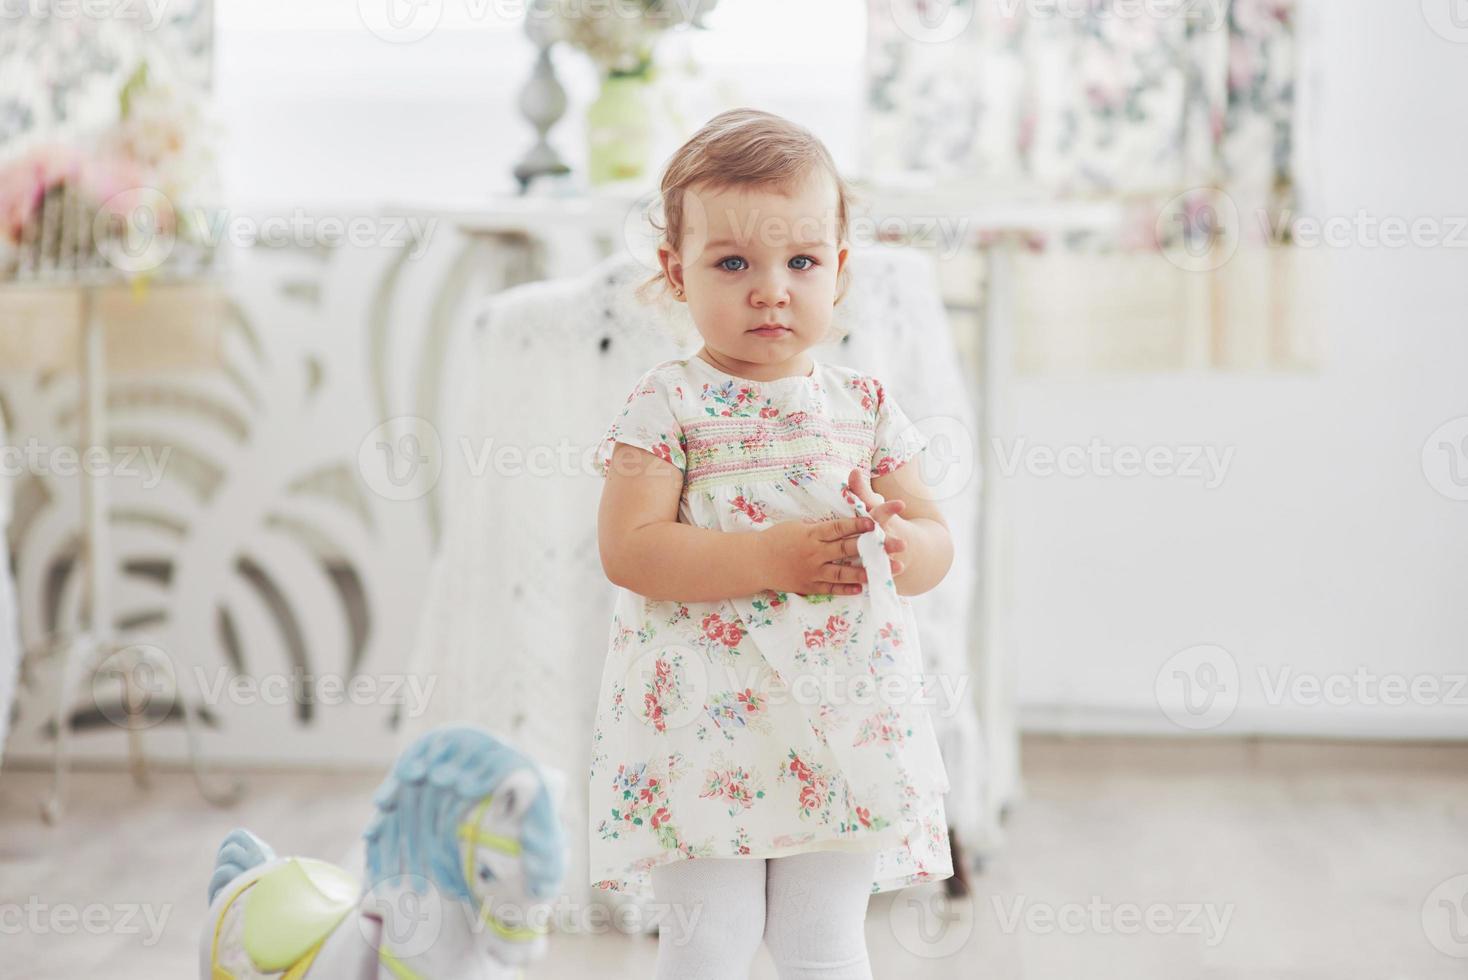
857 844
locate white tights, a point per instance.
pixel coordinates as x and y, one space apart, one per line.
809 909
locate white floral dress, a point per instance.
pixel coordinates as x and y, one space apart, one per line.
775 723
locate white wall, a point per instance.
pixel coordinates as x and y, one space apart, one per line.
320 111
1326 548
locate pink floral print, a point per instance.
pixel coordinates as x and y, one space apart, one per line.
707 741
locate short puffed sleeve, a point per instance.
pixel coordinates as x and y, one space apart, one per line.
648 421
895 438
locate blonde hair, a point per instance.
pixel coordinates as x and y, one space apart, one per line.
746 148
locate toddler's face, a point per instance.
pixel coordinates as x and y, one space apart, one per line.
753 256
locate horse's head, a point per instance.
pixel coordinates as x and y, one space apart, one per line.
472 820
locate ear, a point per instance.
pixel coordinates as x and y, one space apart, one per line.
514 794
555 784
672 266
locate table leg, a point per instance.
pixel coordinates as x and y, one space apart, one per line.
998 714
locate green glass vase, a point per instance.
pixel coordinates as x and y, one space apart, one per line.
619 129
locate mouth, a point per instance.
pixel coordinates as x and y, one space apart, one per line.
770 330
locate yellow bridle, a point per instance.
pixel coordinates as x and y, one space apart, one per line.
471 831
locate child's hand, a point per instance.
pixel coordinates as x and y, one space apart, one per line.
806 557
887 513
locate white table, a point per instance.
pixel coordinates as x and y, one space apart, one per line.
97 646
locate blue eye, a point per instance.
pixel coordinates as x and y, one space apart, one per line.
798 258
485 874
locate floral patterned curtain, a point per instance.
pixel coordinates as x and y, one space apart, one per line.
60 74
1083 97
1180 110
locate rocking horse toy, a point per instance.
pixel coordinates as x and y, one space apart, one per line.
463 854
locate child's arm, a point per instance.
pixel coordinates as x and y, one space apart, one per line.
645 549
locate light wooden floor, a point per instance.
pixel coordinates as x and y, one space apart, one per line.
1315 860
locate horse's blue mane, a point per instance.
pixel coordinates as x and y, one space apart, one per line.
422 801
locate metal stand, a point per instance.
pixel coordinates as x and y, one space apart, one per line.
97 645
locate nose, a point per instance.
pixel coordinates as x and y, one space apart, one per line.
770 291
